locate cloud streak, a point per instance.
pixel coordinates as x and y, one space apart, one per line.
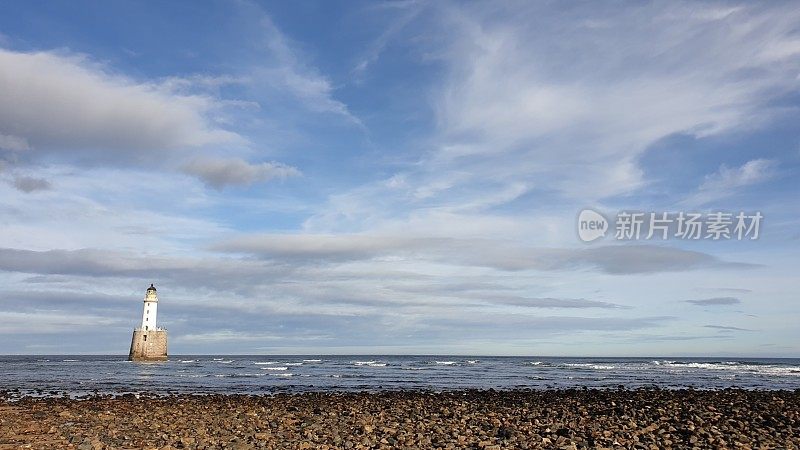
221 173
723 328
288 72
715 301
617 259
290 252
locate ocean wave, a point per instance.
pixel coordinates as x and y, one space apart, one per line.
723 363
591 366
703 365
312 360
791 371
247 375
473 361
738 367
251 374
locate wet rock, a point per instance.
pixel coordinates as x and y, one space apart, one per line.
505 433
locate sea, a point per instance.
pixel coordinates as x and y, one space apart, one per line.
78 376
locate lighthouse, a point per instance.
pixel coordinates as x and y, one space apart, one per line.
149 342
150 309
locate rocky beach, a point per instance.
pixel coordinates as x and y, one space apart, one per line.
479 419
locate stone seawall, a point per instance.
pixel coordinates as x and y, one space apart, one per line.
148 345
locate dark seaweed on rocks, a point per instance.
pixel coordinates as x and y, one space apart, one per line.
572 418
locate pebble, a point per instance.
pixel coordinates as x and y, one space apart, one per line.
488 420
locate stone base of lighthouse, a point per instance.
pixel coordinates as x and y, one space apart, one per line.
148 345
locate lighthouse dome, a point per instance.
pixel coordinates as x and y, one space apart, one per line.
151 288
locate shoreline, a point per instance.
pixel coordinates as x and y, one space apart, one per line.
483 419
11 396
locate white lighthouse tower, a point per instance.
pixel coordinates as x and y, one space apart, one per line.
150 309
149 342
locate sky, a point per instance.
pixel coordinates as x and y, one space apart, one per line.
397 177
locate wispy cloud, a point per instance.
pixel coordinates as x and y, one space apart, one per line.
51 322
402 13
715 301
573 116
726 289
239 336
571 303
727 181
723 328
288 71
524 127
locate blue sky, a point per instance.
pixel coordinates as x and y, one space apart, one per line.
396 177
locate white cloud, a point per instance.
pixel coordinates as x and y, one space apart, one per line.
219 173
553 108
727 181
189 84
555 100
97 207
13 143
751 172
60 102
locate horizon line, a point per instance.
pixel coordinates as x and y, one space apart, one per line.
412 354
